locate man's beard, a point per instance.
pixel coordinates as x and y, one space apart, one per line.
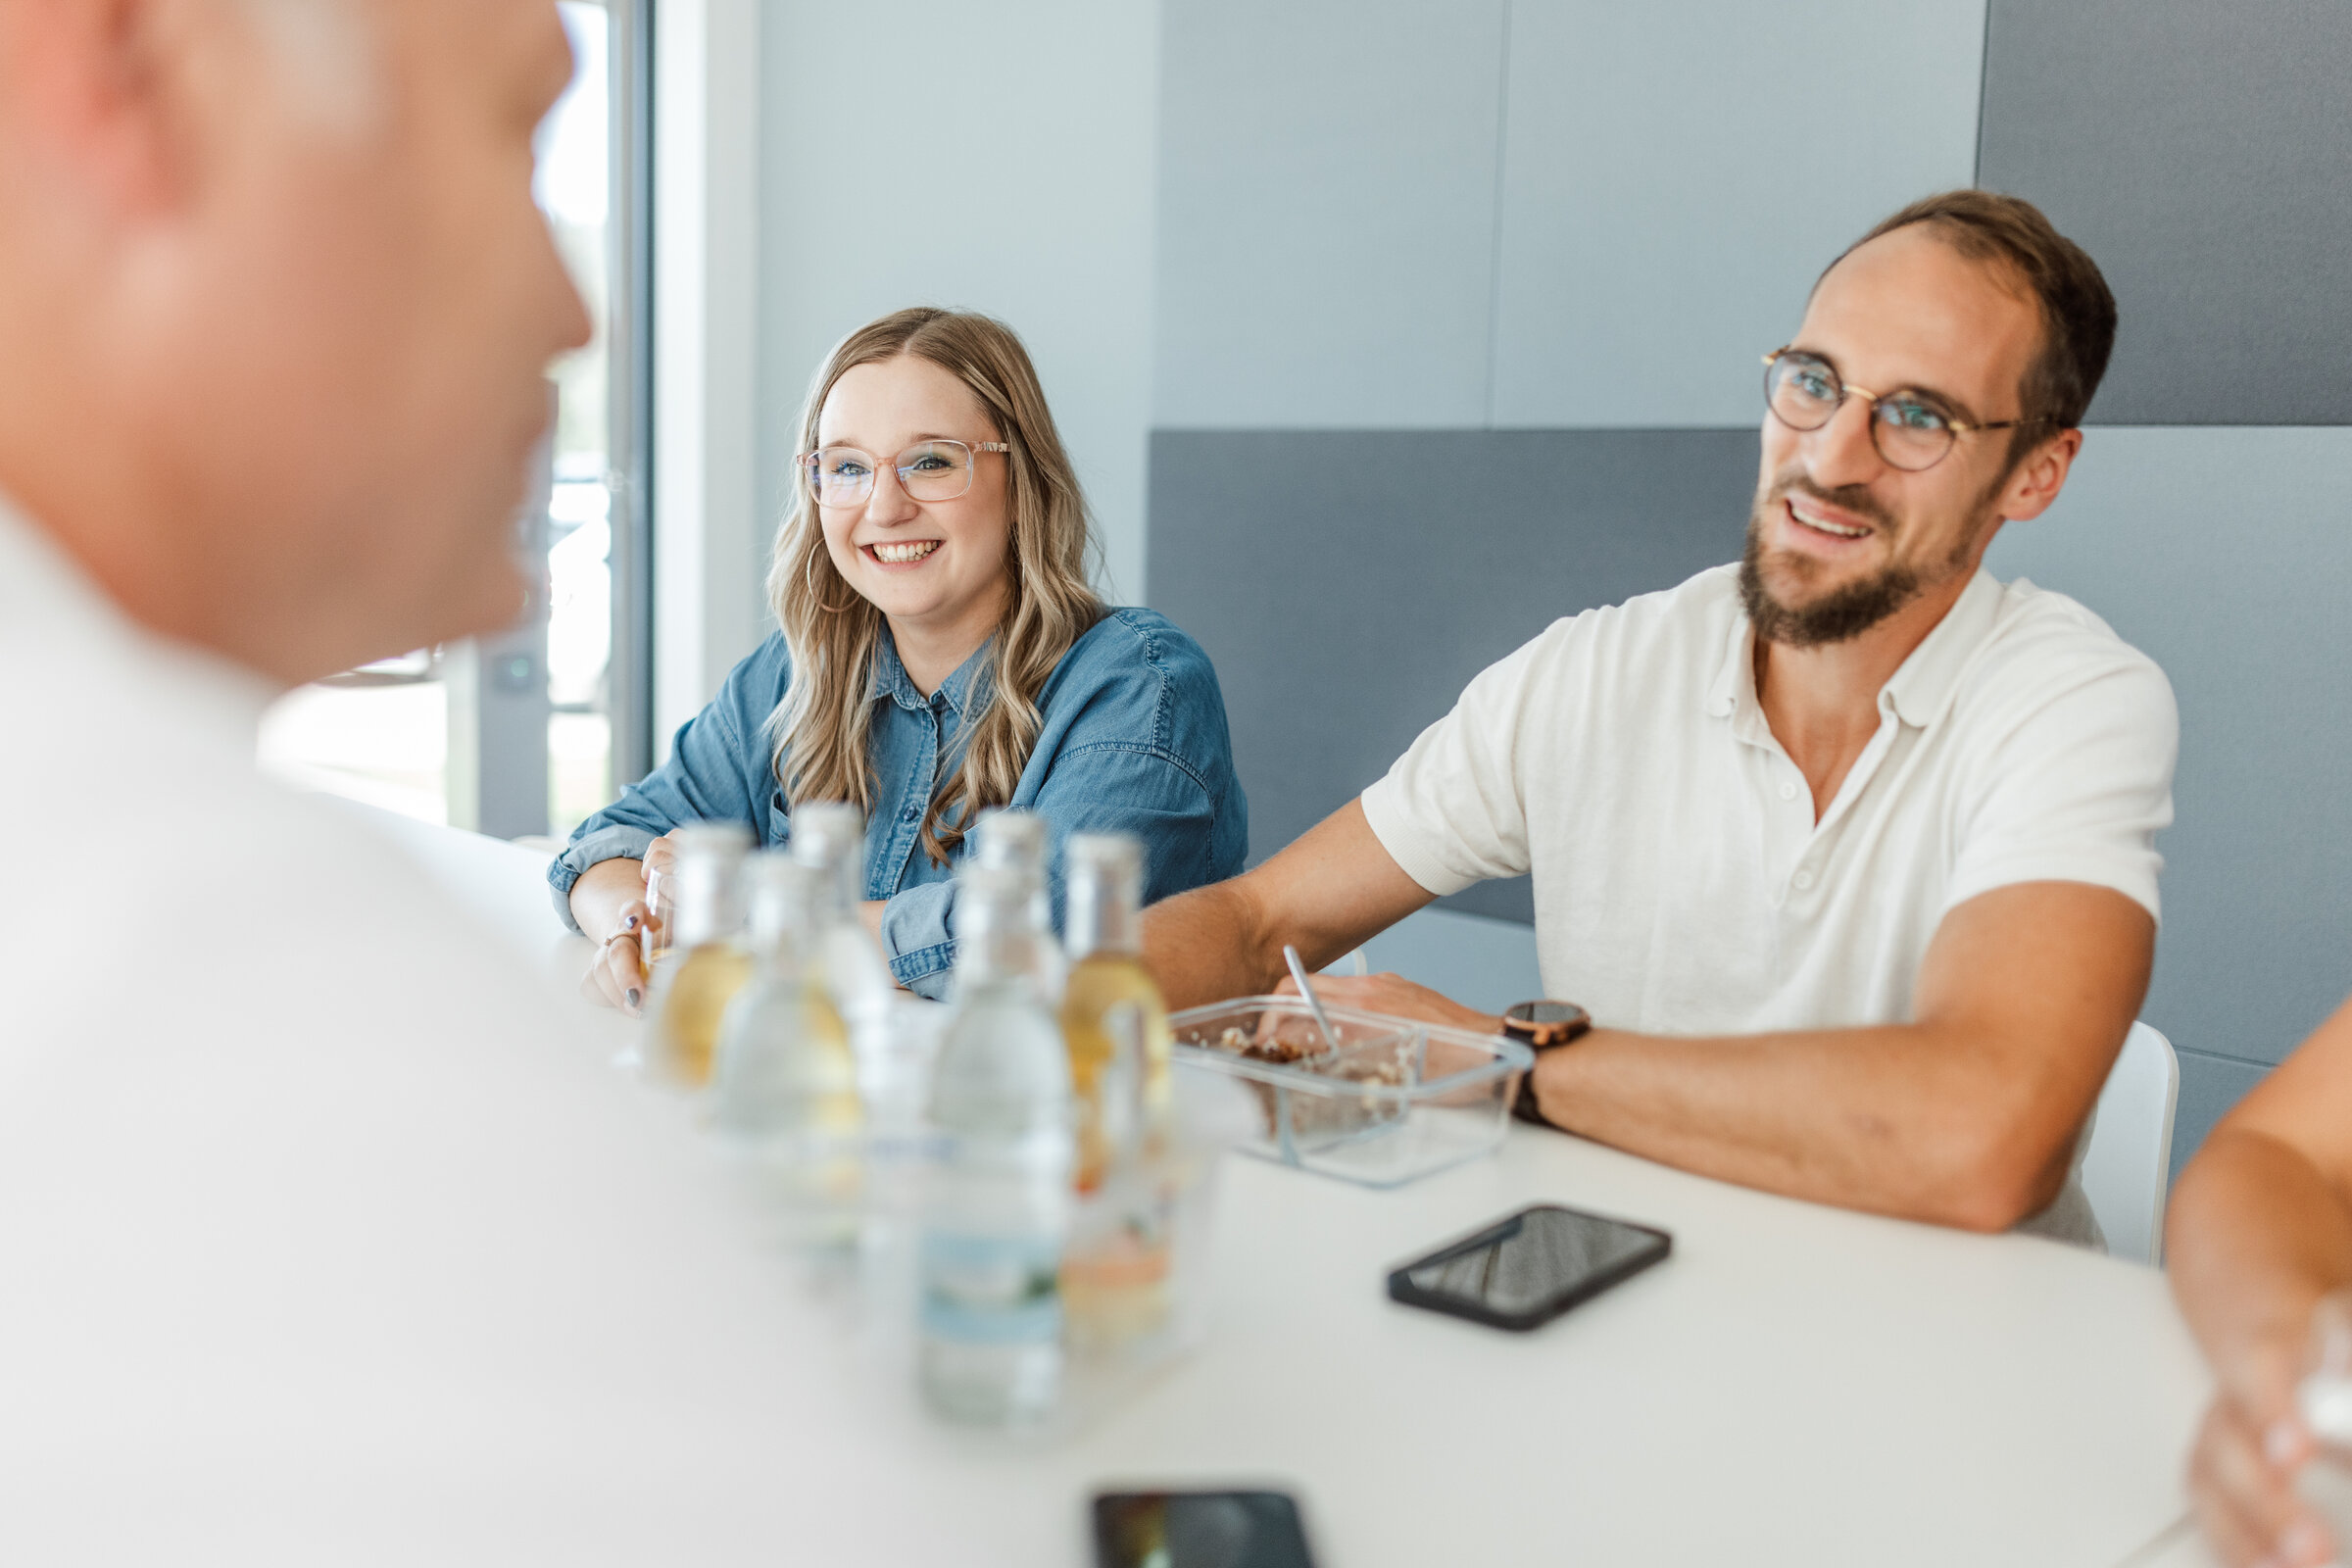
1849 612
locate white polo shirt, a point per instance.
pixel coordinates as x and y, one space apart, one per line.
1682 885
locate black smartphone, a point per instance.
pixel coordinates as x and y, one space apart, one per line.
1198 1530
1523 1271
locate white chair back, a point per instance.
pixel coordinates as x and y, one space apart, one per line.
2129 1162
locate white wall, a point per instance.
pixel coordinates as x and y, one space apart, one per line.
999 158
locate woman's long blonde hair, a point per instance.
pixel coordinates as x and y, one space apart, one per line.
833 631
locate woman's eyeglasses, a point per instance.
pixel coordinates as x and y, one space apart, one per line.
1911 431
928 470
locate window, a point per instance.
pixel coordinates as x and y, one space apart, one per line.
525 731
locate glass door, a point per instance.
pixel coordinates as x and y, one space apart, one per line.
519 733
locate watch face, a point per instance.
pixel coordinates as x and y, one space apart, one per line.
1542 1013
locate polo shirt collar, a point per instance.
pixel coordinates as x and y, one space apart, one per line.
960 691
1922 688
1734 679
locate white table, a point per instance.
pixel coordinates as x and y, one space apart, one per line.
1796 1385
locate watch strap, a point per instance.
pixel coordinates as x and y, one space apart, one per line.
1540 1038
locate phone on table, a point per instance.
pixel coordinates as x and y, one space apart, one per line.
1198 1530
1525 1270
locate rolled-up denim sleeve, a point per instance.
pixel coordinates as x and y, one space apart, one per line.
719 761
917 939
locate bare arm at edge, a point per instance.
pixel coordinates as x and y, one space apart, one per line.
2259 1229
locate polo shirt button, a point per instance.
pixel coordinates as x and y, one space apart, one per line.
1788 792
1804 880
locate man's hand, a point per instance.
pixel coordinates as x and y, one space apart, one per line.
1397 997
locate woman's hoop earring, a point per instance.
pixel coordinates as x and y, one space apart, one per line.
815 593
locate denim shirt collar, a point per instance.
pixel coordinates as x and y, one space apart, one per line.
967 685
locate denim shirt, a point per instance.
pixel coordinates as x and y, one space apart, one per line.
1133 740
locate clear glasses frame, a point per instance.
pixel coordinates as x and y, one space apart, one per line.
1911 432
919 482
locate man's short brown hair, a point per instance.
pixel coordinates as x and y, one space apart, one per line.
2078 313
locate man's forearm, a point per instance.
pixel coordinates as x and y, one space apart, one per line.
1910 1120
1966 1116
1205 946
2255 1236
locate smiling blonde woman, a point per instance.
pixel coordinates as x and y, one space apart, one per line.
940 654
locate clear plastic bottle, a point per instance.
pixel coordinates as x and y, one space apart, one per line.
1017 841
1109 991
705 963
829 836
1115 1025
993 1228
786 1102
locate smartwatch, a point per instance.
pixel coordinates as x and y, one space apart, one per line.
1541 1026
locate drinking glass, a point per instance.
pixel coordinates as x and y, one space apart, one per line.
653 941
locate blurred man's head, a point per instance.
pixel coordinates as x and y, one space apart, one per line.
277 308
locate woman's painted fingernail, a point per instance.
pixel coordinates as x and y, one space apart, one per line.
632 995
630 924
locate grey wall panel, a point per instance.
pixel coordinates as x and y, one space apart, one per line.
2202 153
2226 555
1349 584
1326 212
1676 176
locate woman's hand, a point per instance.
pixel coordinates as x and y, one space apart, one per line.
617 977
661 858
611 902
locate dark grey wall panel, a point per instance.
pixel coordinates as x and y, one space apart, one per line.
2226 555
2202 153
1349 584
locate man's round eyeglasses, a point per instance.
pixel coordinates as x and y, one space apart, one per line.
1911 431
928 470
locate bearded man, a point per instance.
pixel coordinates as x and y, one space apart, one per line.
1844 857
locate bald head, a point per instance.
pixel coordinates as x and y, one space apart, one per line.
280 308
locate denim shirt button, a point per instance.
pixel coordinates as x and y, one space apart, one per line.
912 813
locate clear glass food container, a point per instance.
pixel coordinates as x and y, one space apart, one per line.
1397 1100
